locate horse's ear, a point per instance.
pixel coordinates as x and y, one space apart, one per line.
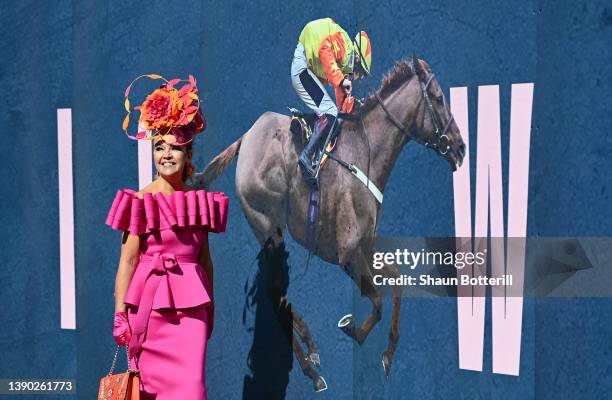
418 68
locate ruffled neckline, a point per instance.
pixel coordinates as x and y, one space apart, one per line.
156 211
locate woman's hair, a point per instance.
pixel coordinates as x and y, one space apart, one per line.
188 151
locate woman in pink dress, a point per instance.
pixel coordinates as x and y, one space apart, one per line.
163 290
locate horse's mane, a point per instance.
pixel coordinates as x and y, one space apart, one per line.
392 81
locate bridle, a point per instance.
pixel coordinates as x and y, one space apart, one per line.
438 139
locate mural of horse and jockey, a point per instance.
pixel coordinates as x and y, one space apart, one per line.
274 196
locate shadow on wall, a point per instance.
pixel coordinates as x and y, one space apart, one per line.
270 358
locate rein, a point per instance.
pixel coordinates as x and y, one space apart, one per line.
360 175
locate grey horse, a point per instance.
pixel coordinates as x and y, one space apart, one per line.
273 194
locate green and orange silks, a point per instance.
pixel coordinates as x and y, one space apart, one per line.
328 52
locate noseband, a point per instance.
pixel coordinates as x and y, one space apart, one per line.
438 139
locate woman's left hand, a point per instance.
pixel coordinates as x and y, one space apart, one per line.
121 329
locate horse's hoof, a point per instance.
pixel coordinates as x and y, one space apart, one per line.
386 363
314 359
347 325
320 384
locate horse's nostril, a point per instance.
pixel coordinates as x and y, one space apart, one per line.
462 150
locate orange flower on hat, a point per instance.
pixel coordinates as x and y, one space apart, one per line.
161 109
168 112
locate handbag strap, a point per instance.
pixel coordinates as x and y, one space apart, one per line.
115 360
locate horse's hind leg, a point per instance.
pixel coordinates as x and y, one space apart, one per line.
307 362
301 328
261 183
289 319
307 369
265 222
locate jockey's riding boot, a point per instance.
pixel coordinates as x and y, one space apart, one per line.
321 129
335 129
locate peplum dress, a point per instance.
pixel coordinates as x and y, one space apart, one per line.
170 312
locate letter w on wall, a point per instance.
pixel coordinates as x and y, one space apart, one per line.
507 312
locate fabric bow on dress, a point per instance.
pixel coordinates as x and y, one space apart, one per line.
163 266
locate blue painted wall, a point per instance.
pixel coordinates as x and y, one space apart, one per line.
82 55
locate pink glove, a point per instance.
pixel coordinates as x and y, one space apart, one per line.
121 328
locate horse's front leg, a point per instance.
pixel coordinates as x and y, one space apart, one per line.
353 256
359 271
390 270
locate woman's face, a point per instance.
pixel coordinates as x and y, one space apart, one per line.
169 160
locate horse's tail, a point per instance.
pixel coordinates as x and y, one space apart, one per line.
202 180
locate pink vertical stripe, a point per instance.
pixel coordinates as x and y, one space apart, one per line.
489 187
508 311
461 177
66 219
518 178
470 310
489 192
488 165
145 163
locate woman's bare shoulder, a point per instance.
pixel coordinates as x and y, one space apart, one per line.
150 188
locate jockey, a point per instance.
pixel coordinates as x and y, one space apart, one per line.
325 54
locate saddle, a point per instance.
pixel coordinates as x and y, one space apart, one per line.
303 124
